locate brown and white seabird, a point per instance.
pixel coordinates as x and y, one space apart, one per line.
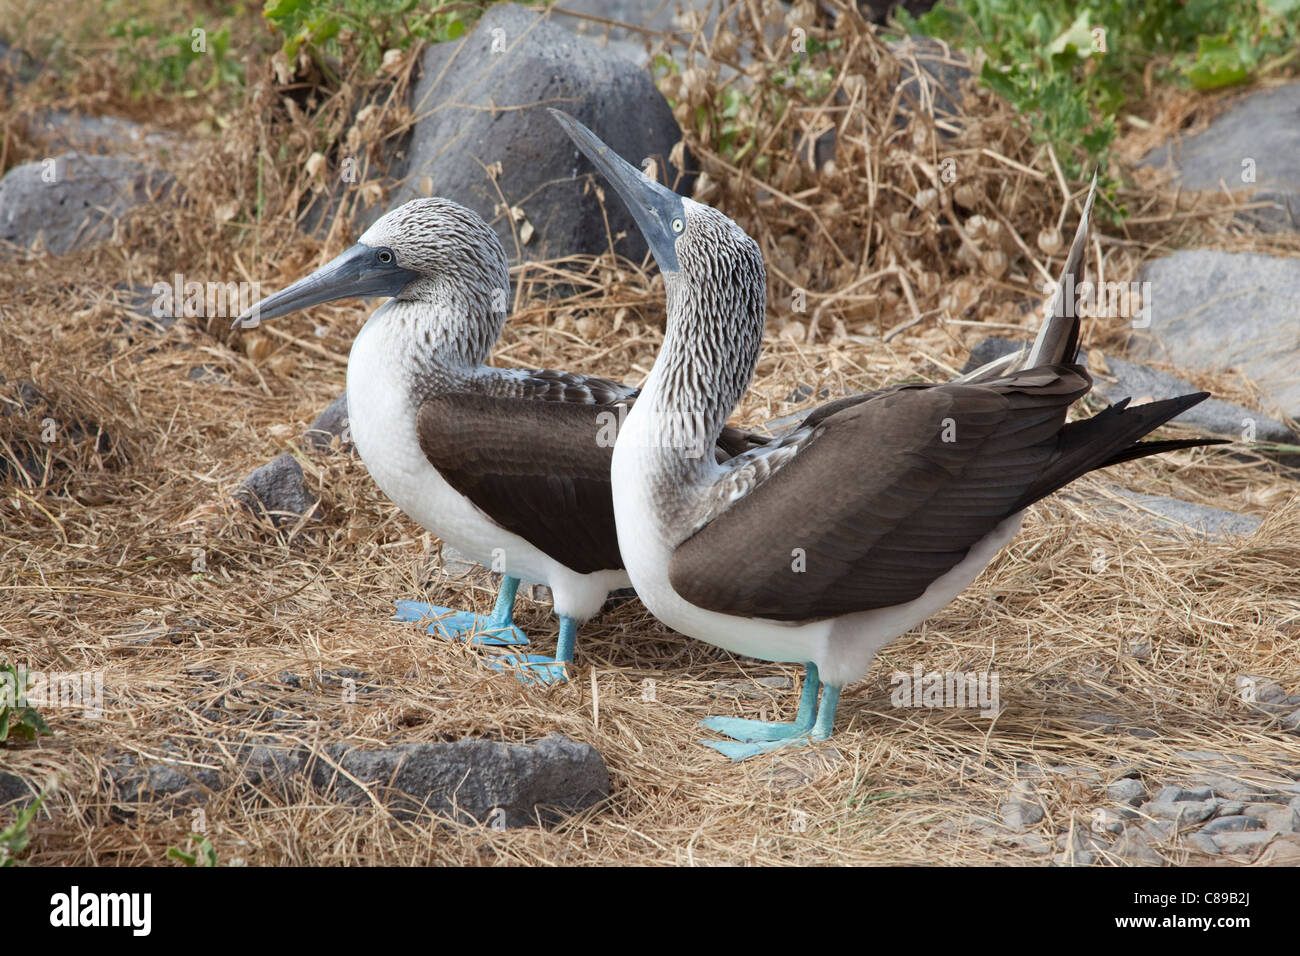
503 465
892 501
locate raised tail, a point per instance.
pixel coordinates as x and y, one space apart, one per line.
1112 436
1058 338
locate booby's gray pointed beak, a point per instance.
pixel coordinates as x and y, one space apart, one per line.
359 273
658 210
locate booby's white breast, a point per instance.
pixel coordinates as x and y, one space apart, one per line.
382 419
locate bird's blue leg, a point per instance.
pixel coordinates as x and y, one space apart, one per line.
538 669
498 628
821 729
752 730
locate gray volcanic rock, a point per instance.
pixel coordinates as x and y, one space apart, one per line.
136 781
15 790
470 781
629 44
942 69
73 201
1176 514
277 490
473 781
484 137
333 421
1257 138
1219 310
68 130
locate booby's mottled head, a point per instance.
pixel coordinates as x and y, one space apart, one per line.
426 249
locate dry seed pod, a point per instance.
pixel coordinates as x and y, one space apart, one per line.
695 86
897 221
257 346
928 282
802 14
725 44
794 331
994 262
966 196
927 199
1049 240
965 292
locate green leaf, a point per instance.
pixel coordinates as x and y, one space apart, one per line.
1218 63
15 837
1078 37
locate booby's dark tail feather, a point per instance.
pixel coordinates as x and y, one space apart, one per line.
1110 437
1058 339
1057 342
1143 448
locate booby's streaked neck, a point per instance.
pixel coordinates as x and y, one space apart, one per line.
711 344
441 330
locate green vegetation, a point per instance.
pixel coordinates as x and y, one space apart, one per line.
162 58
1070 67
23 722
15 837
203 855
369 27
163 51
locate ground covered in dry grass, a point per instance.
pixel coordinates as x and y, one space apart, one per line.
903 274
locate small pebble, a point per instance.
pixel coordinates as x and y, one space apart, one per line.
1203 843
1233 824
1185 812
1130 792
1132 847
1246 842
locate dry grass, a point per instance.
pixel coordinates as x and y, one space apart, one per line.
99 532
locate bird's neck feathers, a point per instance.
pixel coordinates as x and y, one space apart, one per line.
717 305
447 329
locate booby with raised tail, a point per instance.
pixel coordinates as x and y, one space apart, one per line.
507 466
872 514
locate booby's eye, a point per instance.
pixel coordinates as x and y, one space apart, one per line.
678 225
385 256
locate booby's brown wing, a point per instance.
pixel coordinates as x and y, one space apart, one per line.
890 491
532 451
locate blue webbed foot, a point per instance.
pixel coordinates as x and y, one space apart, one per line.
498 628
754 737
751 731
531 668
536 669
754 731
743 750
451 625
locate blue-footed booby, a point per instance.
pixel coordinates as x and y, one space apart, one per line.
505 465
864 520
